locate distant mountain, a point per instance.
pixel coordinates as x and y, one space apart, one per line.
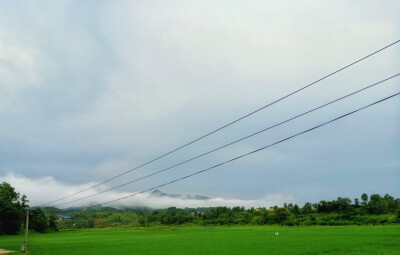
158 193
95 206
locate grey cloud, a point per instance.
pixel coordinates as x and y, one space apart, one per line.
90 90
45 189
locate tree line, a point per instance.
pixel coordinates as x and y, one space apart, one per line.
373 209
13 209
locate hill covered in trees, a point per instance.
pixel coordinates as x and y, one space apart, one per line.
374 209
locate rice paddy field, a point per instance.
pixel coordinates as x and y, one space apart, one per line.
215 240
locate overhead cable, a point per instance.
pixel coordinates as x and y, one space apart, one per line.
249 153
231 143
224 126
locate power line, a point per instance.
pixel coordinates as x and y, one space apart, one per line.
231 143
226 125
252 152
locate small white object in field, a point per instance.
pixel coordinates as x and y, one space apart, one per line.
276 233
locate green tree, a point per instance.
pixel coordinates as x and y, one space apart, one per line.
282 214
342 204
377 205
364 198
11 209
390 203
324 206
52 223
307 208
356 203
296 210
38 221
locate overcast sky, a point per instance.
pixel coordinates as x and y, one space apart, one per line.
90 89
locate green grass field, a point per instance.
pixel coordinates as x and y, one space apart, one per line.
216 240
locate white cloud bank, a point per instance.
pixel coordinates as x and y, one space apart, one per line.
45 189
